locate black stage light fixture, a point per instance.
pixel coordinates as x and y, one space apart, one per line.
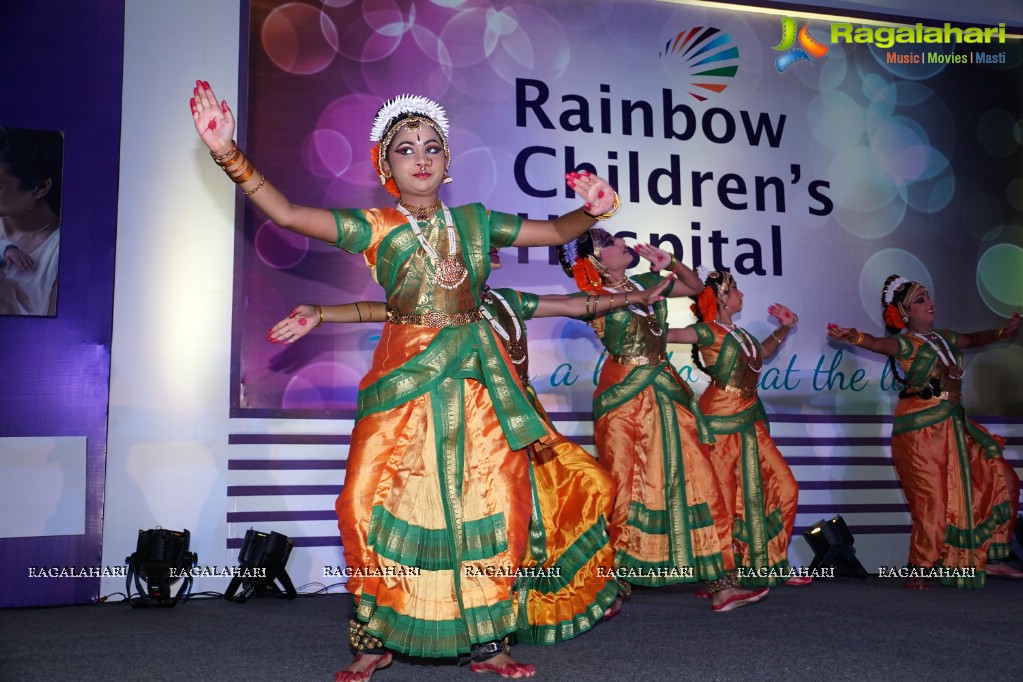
832 545
261 567
161 559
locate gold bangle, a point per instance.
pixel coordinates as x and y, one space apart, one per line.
237 160
1003 334
234 163
671 262
611 303
243 174
262 179
221 157
237 169
319 311
857 339
610 212
774 335
626 298
358 311
234 169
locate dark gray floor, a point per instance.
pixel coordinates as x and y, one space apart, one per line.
839 629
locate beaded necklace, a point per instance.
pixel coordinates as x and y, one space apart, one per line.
742 337
944 353
448 272
516 347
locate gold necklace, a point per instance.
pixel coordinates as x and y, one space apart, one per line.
420 212
449 272
619 284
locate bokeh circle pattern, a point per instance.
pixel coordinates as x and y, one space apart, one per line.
876 270
322 385
865 190
995 130
1000 278
1014 193
345 118
836 120
326 153
900 151
833 71
982 216
361 44
299 39
539 46
279 248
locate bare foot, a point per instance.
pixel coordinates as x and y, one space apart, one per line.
363 666
505 666
734 597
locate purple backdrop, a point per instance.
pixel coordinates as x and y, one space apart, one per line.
64 61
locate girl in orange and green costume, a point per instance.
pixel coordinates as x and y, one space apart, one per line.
757 484
961 492
436 504
669 523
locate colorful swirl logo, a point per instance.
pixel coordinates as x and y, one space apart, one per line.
808 45
710 57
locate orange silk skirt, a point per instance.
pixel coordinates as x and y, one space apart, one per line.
568 578
758 487
959 497
435 535
668 524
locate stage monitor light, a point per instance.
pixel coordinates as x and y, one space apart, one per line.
160 560
832 545
261 564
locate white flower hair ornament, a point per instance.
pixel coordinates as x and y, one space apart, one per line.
409 105
702 272
406 111
893 286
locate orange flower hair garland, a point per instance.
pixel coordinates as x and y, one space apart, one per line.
391 186
587 277
892 318
706 306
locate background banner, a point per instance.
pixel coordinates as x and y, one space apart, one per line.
811 172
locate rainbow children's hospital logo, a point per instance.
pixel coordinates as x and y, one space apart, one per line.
709 56
808 45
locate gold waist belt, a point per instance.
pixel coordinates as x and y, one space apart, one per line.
633 360
747 393
434 319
